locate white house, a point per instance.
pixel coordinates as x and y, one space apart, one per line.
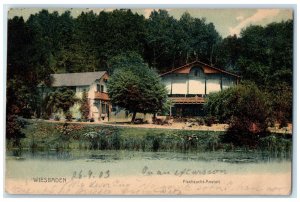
94 83
188 86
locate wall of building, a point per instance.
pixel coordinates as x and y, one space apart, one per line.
197 82
80 90
228 81
95 104
167 80
213 83
179 84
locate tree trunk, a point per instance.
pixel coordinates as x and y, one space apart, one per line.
133 117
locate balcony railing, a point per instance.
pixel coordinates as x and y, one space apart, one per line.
187 99
101 96
187 95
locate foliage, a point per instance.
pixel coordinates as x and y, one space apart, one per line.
49 136
171 42
85 106
55 43
275 144
282 103
136 87
14 125
61 99
125 60
153 142
68 115
165 110
266 52
228 52
209 120
105 138
89 41
246 108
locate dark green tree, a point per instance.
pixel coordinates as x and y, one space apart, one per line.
160 44
282 103
246 108
62 98
228 51
266 54
55 43
198 39
14 125
136 87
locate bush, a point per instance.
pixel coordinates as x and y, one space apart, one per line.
152 141
56 118
105 138
242 138
45 116
275 144
85 106
209 120
247 110
282 103
201 121
68 116
14 126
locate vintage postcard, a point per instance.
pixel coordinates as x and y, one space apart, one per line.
170 101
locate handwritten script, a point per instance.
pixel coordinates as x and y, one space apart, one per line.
146 171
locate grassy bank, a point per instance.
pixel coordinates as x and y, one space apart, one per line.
45 136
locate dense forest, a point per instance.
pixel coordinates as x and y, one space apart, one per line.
49 43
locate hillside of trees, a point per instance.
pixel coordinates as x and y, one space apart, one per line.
49 43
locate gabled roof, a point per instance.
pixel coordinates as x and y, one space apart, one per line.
76 79
207 69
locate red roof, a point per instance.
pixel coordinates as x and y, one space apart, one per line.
209 68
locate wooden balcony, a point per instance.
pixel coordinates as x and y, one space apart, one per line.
187 100
101 96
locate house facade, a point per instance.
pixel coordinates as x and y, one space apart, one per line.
94 83
188 86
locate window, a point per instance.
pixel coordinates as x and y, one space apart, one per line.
196 73
102 88
98 87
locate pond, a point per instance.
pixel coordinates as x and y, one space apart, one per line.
131 172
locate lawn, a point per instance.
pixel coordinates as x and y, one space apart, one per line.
43 136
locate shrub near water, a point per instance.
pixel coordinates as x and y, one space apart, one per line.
105 138
113 138
43 136
276 144
246 108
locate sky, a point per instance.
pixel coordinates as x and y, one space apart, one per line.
227 21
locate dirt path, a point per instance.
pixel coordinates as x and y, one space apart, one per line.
177 126
184 126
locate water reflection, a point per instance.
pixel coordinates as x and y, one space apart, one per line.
113 155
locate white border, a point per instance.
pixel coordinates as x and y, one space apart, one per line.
152 4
